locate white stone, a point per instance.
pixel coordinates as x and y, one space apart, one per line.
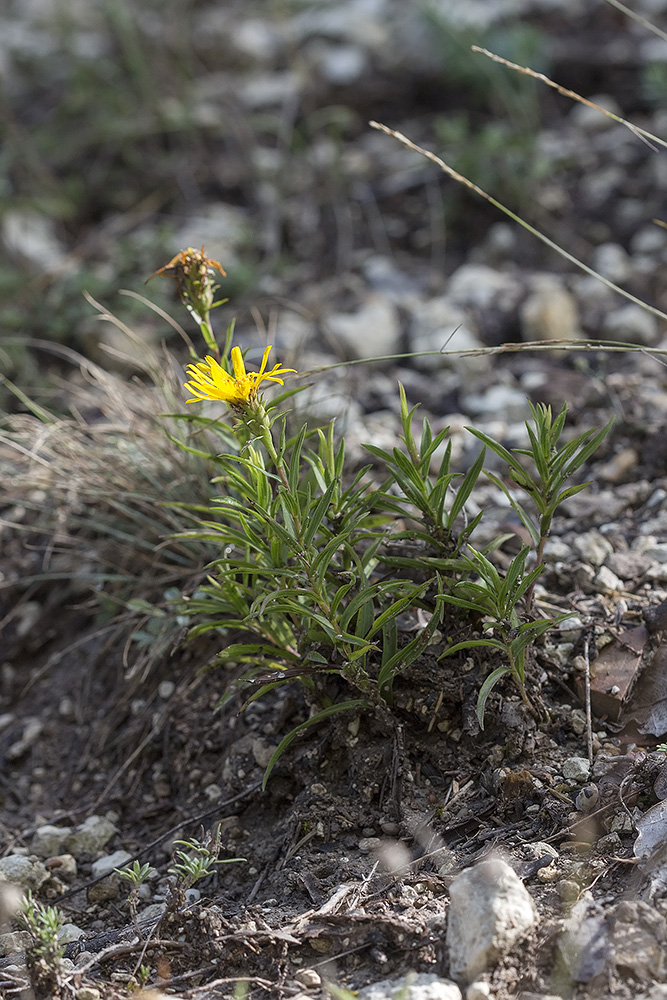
480 287
371 332
478 991
11 902
32 730
361 22
166 689
607 581
257 38
90 836
631 324
152 912
310 978
424 986
592 547
90 993
505 399
340 65
612 262
438 326
490 911
13 942
110 861
69 933
221 229
26 873
550 312
48 840
556 550
576 769
27 233
266 90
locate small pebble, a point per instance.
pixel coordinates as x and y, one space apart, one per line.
478 991
576 769
87 993
569 890
308 978
166 689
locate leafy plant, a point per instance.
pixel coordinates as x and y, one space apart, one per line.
316 565
552 465
43 957
500 600
198 860
497 599
136 876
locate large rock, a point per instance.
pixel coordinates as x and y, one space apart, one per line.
48 840
371 332
490 910
28 874
90 836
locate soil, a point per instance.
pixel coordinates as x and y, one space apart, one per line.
349 850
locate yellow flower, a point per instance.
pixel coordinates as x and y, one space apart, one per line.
211 381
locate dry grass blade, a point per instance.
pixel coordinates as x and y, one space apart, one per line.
641 133
92 497
638 18
460 179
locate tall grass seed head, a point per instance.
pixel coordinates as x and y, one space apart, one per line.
211 381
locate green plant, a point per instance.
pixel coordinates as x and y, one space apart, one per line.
136 876
43 957
497 599
198 860
500 600
551 465
316 565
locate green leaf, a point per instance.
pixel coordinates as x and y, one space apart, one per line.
346 706
474 643
524 517
486 689
397 608
500 450
316 515
365 618
403 658
295 460
466 487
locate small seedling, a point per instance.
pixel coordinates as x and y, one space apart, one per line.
43 957
136 876
198 860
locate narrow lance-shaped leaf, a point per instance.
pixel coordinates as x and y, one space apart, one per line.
346 706
486 689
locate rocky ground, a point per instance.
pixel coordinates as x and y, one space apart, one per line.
523 860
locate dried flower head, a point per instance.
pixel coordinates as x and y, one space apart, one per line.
193 271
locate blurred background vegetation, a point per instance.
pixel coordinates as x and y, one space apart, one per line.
133 128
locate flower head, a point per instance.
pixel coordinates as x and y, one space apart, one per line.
211 381
192 271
